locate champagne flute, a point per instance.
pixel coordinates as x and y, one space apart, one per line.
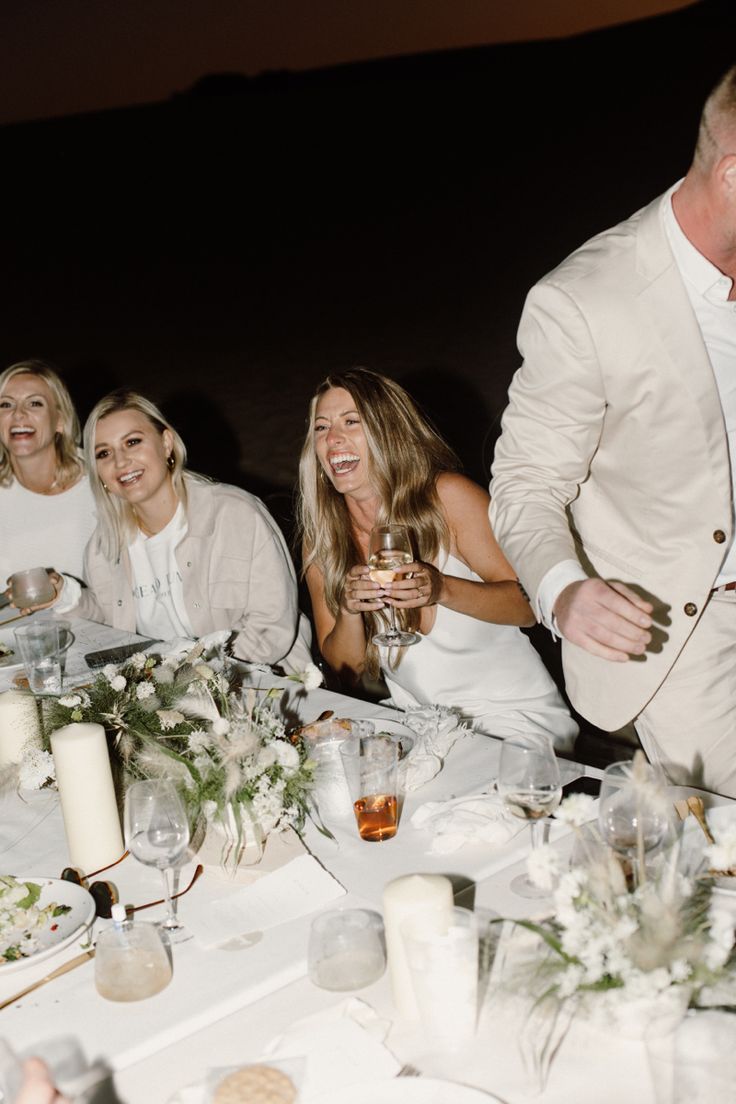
529 783
157 834
390 549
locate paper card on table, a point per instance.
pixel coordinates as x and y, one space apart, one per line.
345 1045
297 889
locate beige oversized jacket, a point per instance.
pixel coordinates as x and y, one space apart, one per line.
236 574
614 450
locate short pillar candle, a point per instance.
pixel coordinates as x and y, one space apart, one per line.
87 794
402 898
20 725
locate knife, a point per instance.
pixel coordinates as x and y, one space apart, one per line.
70 965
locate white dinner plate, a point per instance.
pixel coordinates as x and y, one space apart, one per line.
693 842
399 1090
66 928
408 1090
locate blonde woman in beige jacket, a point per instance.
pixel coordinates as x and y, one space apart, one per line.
175 555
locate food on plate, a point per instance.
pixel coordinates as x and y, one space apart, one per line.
21 919
255 1085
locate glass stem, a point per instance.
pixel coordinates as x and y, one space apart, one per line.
171 920
536 828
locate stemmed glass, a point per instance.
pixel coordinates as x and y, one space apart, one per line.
390 549
157 834
633 813
529 783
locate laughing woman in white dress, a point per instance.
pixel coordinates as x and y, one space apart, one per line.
371 458
47 511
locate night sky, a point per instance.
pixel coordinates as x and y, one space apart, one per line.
60 57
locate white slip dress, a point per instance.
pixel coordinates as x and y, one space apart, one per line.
490 673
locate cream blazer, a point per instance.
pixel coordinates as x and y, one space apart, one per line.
614 451
236 574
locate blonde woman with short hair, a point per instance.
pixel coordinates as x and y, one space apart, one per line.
175 555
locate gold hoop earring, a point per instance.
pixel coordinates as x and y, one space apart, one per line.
171 461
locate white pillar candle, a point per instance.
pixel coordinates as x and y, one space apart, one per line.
402 898
87 794
20 725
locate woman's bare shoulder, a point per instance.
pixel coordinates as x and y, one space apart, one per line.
458 494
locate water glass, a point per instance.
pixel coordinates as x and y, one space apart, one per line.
131 964
40 649
346 949
696 1062
371 769
31 588
442 954
634 812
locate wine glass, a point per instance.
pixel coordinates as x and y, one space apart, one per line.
389 549
157 834
633 813
529 783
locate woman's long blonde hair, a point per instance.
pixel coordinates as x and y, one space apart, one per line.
116 522
69 465
406 456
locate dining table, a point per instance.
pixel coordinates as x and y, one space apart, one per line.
250 997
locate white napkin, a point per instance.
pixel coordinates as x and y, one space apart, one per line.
297 889
436 729
475 818
344 1045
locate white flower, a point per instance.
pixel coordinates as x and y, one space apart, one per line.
311 677
266 757
169 718
37 768
118 683
109 671
287 756
198 740
70 701
543 865
721 855
576 810
138 661
221 726
144 690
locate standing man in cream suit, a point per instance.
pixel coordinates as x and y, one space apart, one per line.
612 491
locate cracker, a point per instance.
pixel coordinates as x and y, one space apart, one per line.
255 1085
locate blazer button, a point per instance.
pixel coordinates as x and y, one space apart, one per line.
719 536
120 601
690 609
189 562
196 605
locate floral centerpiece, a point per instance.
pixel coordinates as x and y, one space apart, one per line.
623 954
188 717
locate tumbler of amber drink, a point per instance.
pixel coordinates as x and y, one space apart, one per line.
371 770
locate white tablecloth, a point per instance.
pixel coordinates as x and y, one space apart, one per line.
224 1007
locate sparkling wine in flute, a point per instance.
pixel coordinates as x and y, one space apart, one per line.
390 549
376 816
384 565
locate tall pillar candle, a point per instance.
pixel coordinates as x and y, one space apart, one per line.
87 794
402 898
20 725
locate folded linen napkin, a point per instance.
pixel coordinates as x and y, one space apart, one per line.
475 818
344 1047
436 729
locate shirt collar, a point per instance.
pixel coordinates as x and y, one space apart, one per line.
699 272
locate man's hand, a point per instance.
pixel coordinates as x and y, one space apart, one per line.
606 619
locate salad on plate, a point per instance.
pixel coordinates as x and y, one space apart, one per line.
22 919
